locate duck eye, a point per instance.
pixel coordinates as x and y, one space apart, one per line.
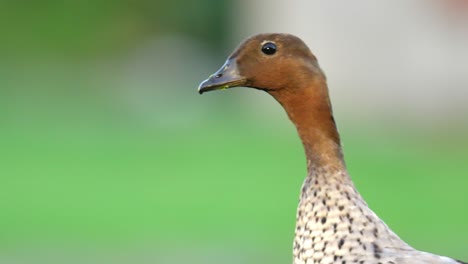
269 48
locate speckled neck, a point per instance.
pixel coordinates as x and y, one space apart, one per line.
335 225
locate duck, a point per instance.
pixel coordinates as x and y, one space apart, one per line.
334 224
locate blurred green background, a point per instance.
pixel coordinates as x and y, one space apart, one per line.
109 155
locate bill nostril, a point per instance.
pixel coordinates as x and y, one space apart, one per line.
219 75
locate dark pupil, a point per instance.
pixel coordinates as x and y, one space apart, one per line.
269 48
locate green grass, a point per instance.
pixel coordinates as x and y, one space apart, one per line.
234 184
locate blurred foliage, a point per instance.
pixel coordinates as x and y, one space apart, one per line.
97 28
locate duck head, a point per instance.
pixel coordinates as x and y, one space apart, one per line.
269 62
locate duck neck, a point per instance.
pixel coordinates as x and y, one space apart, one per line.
310 110
331 215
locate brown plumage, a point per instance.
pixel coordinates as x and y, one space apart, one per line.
333 223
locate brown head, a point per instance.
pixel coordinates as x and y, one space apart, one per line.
283 66
269 62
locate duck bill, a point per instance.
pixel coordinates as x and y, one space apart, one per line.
226 77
